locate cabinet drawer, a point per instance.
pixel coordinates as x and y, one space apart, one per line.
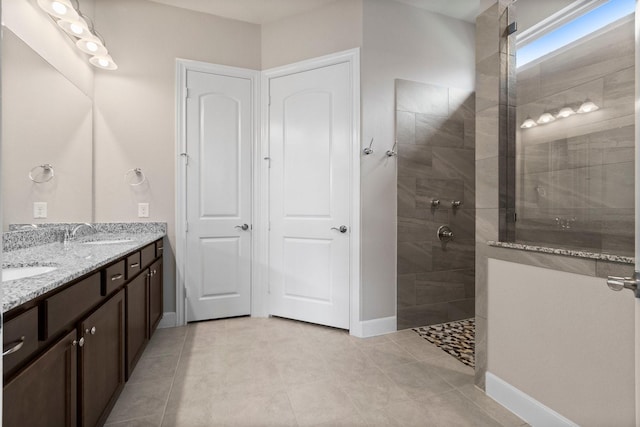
65 307
133 265
114 277
159 248
148 254
20 334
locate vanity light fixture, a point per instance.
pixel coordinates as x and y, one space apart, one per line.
77 25
528 123
545 118
565 112
588 106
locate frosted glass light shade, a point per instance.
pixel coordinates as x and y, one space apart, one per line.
104 62
546 118
587 107
59 8
528 123
565 112
92 46
77 27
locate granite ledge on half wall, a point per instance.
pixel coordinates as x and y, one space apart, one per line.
565 252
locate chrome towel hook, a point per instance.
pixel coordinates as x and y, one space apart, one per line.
47 173
392 152
134 177
368 150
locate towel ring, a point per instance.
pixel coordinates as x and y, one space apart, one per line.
46 169
139 176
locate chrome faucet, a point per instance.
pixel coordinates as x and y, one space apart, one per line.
78 227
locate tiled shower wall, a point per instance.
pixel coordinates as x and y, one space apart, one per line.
435 132
576 174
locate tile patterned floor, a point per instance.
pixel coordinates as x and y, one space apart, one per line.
456 338
275 372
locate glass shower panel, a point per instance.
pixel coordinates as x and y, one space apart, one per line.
575 134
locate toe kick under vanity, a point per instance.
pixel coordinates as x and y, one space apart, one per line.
73 335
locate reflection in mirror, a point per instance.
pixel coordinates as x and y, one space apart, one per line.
46 120
575 120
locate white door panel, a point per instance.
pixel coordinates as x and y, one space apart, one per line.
309 147
218 257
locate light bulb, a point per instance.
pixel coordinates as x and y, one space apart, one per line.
104 62
546 118
92 45
565 112
76 29
59 8
587 107
528 123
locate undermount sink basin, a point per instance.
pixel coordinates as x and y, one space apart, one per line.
15 273
107 242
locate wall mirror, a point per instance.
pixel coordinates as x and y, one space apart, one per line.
46 120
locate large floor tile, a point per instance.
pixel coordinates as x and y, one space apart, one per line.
417 379
321 402
151 368
151 421
140 400
388 354
452 409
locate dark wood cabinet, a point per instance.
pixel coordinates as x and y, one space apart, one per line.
101 360
137 293
44 393
76 346
155 295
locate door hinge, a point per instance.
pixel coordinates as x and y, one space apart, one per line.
185 292
269 100
186 227
186 158
188 93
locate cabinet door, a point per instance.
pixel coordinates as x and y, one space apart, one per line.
44 393
102 363
155 295
137 292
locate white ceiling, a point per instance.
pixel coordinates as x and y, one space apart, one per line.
262 11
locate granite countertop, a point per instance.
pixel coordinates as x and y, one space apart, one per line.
566 252
72 260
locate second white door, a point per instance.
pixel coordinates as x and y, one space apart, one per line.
310 139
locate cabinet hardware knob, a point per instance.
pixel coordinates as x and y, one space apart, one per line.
116 277
155 272
79 343
91 331
15 346
135 265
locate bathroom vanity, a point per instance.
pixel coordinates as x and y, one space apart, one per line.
73 336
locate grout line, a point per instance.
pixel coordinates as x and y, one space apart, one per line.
173 380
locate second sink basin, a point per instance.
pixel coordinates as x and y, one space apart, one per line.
15 273
107 242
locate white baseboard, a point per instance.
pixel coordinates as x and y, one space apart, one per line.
374 327
169 320
523 405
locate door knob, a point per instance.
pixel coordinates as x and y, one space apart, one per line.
243 227
343 229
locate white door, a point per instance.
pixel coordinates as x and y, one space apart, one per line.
310 131
218 186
